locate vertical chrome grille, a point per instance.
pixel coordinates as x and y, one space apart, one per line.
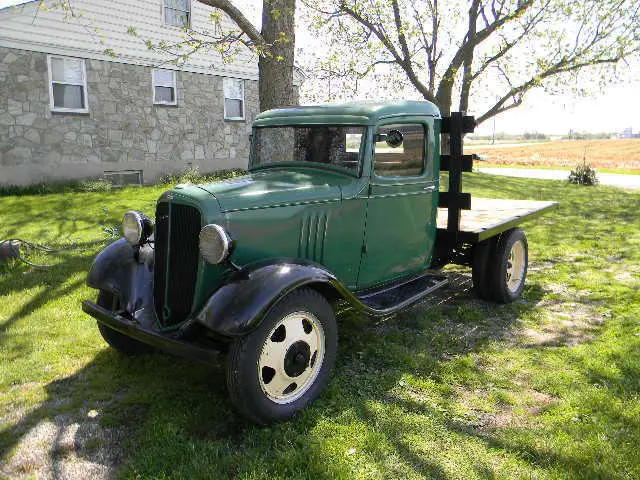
176 261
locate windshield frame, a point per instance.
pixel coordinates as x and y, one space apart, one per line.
324 166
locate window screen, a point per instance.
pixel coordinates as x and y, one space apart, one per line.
177 13
164 87
400 150
68 84
233 98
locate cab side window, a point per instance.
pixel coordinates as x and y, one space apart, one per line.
400 150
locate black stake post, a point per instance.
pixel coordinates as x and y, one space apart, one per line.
455 163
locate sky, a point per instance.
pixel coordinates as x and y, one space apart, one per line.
612 110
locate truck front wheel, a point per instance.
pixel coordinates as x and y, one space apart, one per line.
120 342
285 363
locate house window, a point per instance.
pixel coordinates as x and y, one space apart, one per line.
164 87
67 84
177 13
233 99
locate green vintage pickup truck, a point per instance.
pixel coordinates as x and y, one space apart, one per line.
341 204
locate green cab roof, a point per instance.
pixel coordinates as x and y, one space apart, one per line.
345 113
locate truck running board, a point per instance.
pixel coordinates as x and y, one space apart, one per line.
392 297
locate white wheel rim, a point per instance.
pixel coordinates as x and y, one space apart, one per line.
291 357
515 266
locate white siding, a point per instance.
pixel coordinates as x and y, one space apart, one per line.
104 25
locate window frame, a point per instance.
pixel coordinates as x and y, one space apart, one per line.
224 98
52 106
425 146
189 13
109 174
162 84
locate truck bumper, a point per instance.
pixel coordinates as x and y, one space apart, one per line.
165 342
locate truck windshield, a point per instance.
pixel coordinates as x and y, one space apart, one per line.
335 145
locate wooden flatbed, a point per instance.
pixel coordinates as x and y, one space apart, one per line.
489 217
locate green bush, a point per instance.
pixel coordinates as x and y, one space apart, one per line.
95 185
583 174
102 185
193 175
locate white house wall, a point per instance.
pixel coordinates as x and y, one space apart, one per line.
104 25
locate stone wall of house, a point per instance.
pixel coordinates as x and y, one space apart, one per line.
123 129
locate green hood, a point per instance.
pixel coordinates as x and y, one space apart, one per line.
275 186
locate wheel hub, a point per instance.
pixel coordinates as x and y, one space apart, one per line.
291 357
515 266
297 359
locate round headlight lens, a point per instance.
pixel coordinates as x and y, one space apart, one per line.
132 227
136 227
214 243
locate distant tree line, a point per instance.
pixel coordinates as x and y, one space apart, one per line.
572 135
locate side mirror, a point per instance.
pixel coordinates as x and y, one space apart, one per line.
393 138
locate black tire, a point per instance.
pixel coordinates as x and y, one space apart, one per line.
248 382
481 268
502 290
120 342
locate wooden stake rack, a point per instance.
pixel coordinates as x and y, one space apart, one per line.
454 200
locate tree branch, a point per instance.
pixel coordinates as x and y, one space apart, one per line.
237 16
517 93
467 76
446 83
403 61
407 64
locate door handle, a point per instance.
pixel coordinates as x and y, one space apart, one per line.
430 188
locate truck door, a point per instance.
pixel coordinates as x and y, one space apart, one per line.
401 206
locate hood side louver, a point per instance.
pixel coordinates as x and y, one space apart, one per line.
313 232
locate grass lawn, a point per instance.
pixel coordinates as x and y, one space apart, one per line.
485 164
547 387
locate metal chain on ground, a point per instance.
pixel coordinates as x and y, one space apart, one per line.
33 246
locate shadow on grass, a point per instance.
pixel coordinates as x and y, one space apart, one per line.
52 282
156 415
62 218
153 411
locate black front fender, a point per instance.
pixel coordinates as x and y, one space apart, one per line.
127 272
237 307
110 269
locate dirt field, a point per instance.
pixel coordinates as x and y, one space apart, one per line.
614 154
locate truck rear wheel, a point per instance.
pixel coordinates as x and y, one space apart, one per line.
285 363
509 261
115 339
481 268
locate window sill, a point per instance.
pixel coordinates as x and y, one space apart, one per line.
165 104
177 27
70 112
235 119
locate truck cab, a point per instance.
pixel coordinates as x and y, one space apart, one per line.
340 203
354 189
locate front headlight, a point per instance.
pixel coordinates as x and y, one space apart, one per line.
136 227
214 243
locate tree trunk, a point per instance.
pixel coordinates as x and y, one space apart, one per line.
444 97
276 87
